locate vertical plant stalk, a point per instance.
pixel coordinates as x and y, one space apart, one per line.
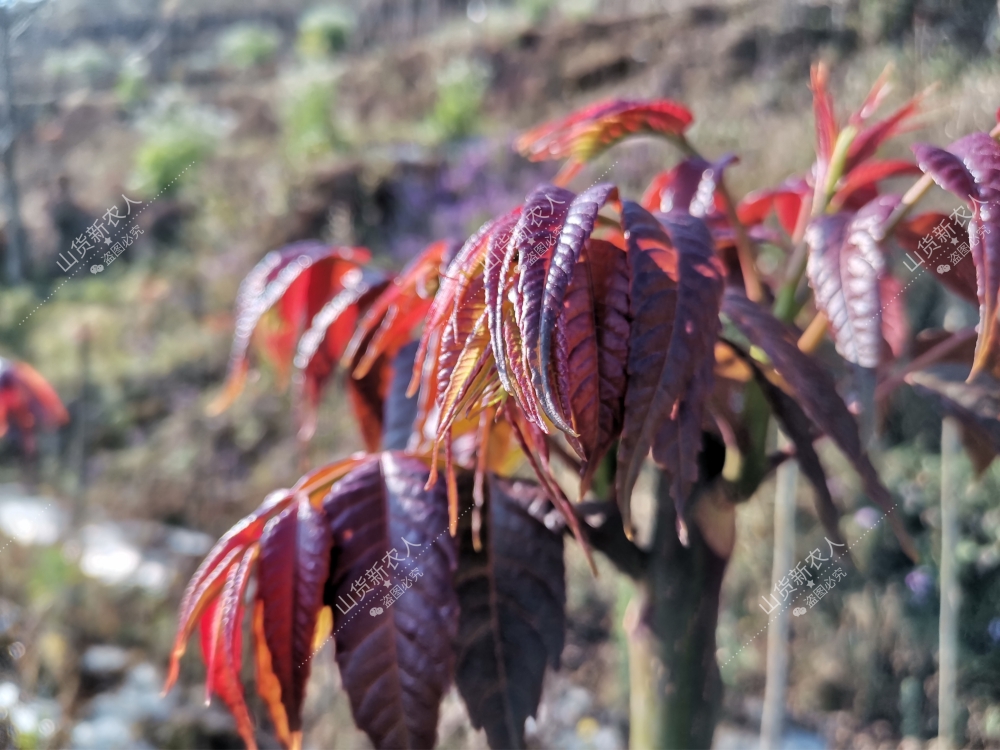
15 255
684 585
951 593
645 676
80 494
773 718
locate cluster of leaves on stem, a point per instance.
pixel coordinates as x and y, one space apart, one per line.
578 327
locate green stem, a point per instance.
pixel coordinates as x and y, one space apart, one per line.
951 592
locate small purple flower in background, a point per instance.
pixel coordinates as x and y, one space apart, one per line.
867 517
994 629
921 584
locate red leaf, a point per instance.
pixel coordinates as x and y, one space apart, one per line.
586 133
294 562
295 282
27 399
866 175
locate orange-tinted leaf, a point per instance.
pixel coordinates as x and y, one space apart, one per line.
208 580
291 285
223 652
586 133
27 399
390 321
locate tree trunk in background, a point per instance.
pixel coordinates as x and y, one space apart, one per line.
773 718
951 594
684 585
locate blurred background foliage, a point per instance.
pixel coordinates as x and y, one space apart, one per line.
256 123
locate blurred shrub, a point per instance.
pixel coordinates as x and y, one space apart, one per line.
84 64
132 86
460 90
248 45
307 124
324 31
177 136
536 10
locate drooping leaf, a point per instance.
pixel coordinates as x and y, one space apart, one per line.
294 563
222 645
970 168
291 284
675 288
322 345
785 200
389 322
512 598
208 580
975 405
844 268
400 409
802 433
586 133
813 388
395 663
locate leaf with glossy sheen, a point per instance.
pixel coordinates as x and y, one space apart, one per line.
294 563
210 577
588 132
970 168
815 391
390 321
676 286
289 285
512 596
222 645
395 664
562 271
844 268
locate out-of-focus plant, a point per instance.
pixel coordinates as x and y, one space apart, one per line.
307 117
132 87
84 64
27 403
324 31
461 86
595 331
177 138
248 45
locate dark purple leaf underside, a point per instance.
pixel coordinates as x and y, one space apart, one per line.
512 622
397 663
816 393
